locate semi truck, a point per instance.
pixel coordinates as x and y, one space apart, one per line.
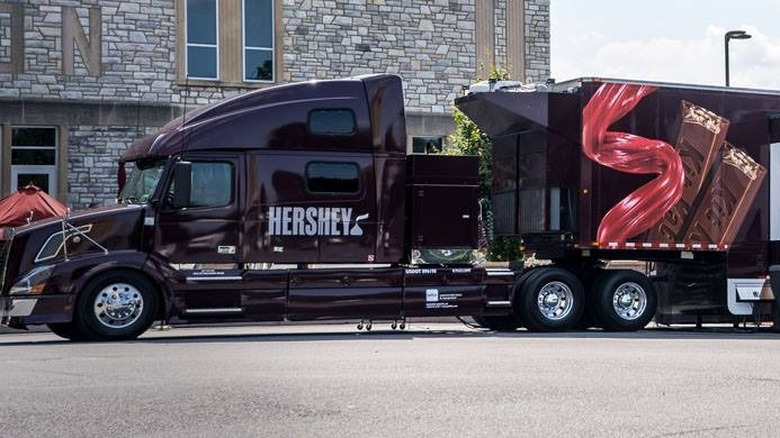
299 202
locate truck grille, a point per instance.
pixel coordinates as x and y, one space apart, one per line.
5 247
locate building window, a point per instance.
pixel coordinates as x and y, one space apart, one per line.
258 40
232 42
202 18
34 158
427 145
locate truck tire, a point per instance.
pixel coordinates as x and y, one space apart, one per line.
625 300
499 323
507 323
551 299
67 330
776 315
116 305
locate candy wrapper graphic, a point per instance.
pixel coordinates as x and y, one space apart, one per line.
645 207
725 203
700 138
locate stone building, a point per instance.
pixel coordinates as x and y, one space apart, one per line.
81 79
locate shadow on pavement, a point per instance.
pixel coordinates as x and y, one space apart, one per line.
318 333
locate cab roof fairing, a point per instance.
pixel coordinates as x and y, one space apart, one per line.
233 123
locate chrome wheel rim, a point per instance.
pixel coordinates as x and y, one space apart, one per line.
629 301
555 300
118 305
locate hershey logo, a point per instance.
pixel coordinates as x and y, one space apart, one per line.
313 221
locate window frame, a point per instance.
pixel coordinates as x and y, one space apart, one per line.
187 44
244 46
437 140
231 57
50 170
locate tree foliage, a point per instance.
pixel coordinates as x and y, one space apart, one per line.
468 139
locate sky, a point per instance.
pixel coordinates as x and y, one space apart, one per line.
679 41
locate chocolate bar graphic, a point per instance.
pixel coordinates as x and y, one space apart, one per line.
701 135
728 198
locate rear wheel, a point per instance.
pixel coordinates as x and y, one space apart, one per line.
776 315
552 299
117 305
625 300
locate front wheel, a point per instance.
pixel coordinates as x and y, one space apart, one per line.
116 305
625 300
552 299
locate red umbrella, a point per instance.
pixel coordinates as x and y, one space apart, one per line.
28 204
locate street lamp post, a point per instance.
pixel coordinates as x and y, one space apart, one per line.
732 35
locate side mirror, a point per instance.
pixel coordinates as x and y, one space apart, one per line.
182 185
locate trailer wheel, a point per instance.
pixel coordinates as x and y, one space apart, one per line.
552 300
116 305
626 300
67 330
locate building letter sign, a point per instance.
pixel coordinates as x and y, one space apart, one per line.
73 33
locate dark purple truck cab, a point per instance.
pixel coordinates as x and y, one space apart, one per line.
299 202
289 202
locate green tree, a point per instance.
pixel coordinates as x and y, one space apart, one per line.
468 139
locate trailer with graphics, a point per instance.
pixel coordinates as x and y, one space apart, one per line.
679 176
299 202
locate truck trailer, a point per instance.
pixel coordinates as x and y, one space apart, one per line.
299 202
594 171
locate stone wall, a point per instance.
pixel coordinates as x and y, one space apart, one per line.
93 153
137 51
430 43
537 39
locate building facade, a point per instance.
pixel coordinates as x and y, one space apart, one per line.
81 79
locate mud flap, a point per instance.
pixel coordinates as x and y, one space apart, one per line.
774 279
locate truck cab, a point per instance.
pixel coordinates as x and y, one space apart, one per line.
292 202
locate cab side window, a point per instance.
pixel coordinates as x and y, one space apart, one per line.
210 185
332 177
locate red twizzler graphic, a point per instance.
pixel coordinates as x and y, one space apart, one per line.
630 153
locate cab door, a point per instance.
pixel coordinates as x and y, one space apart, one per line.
200 215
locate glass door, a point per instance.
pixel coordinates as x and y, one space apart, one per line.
34 158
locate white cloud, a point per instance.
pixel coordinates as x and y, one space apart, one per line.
755 63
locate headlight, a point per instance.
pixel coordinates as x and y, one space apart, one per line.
33 282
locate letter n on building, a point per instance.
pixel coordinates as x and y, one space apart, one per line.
16 64
73 35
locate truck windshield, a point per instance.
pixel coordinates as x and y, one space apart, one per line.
141 183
